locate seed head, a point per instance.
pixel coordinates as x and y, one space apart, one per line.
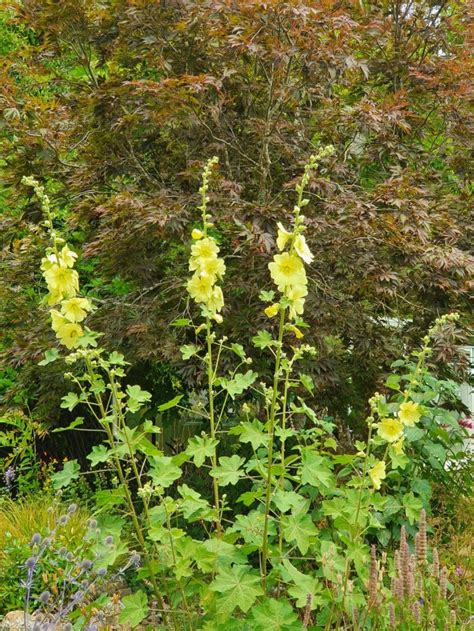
36 539
135 559
31 562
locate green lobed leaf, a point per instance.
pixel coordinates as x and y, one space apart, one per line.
188 350
316 471
393 382
135 609
228 471
239 585
99 454
69 401
117 359
50 355
299 528
413 506
239 383
262 340
63 478
276 615
301 585
201 447
136 398
251 432
163 472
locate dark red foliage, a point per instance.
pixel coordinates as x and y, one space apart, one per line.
120 103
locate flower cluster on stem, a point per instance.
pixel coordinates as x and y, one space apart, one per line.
62 280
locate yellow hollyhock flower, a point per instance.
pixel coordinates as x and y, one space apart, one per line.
75 309
57 320
197 234
409 413
297 296
302 249
282 237
200 287
212 267
272 310
390 429
68 257
69 334
287 270
62 280
377 474
205 248
216 300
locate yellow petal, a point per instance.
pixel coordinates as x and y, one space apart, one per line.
272 310
302 249
296 331
282 238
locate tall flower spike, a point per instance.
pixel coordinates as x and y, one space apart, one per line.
443 583
422 543
287 268
391 615
62 280
208 268
404 560
373 577
416 609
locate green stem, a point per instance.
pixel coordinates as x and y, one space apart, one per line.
286 387
128 497
359 502
282 450
212 422
173 555
271 435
